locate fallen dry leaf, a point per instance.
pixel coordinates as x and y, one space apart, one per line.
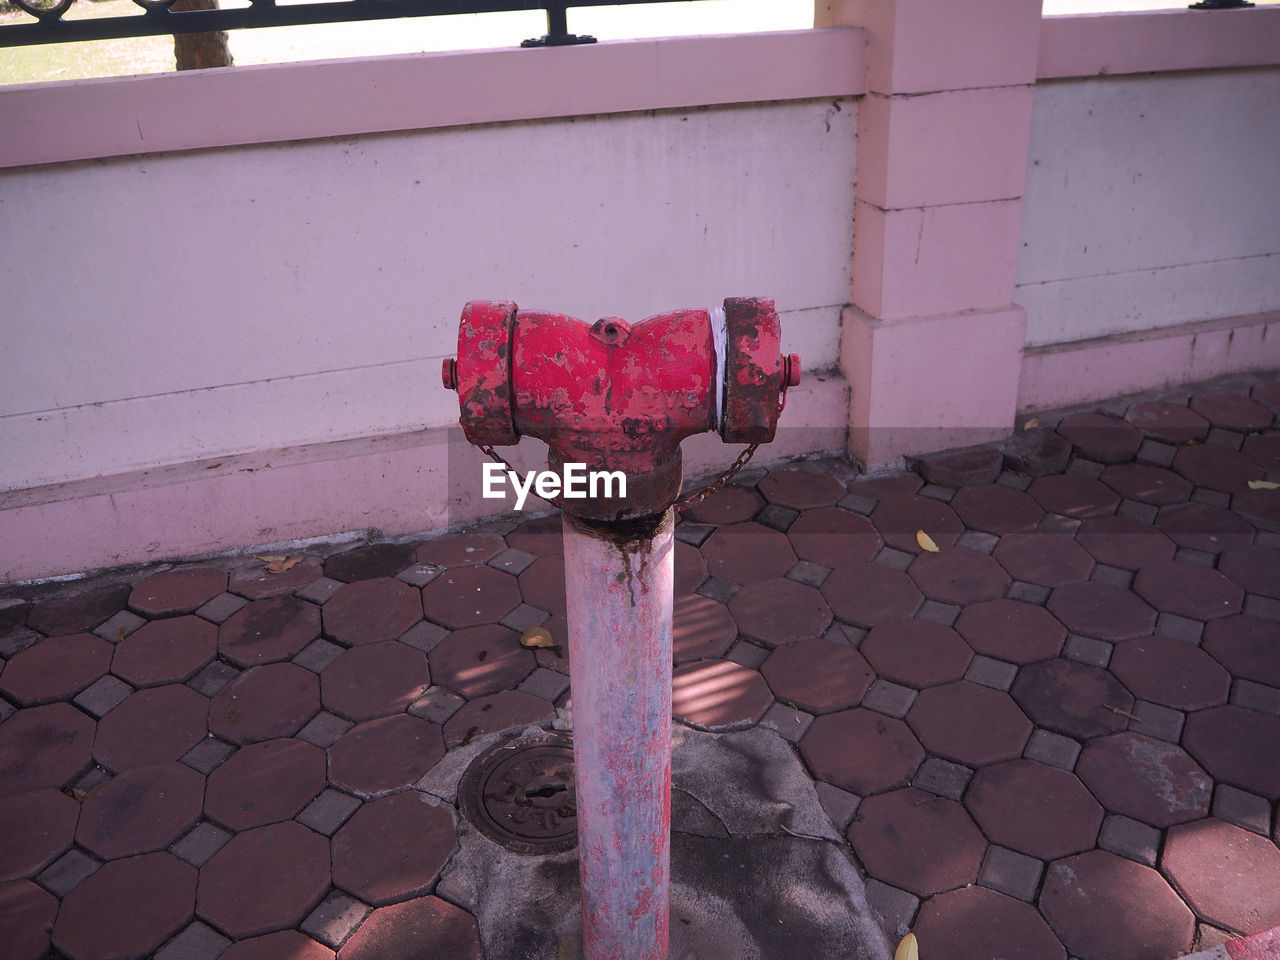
1031 424
1263 485
279 563
926 542
908 949
536 637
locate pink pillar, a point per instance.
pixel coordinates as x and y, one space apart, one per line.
619 588
932 342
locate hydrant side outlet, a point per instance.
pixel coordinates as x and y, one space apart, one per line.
753 370
482 373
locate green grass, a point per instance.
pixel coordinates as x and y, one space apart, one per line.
94 58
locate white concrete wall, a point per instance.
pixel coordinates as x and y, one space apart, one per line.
1151 201
187 306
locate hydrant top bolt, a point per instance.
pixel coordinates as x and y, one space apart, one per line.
449 373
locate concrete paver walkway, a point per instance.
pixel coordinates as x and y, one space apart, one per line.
1057 735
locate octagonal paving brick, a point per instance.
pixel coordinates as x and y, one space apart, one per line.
1074 496
264 880
895 484
1228 875
264 783
468 596
1101 611
917 841
497 711
959 576
730 504
718 695
1073 698
421 928
702 628
1247 646
690 571
41 825
101 918
996 509
258 582
278 945
165 651
1260 507
542 583
1229 740
1168 422
748 553
970 467
917 653
369 611
1256 569
1199 526
1034 808
55 669
1216 468
379 756
1264 450
899 518
79 612
176 592
370 562
870 594
1124 542
1105 907
861 751
393 849
800 489
1170 672
970 724
142 810
779 611
159 723
1046 559
460 550
377 679
1100 437
1146 483
481 660
1145 779
26 918
1010 630
270 630
541 536
1188 590
265 703
1232 411
975 922
833 537
818 675
1268 394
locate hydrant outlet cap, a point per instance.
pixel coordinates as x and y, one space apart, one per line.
449 373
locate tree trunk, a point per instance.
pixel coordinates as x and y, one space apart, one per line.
195 51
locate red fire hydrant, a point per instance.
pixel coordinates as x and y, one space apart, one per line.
618 399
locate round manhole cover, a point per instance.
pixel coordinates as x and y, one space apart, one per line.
520 794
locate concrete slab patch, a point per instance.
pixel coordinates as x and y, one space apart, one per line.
758 872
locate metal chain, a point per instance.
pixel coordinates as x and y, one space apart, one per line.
684 503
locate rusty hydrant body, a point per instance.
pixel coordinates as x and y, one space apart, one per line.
616 397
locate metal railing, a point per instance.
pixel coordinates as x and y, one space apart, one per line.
50 27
